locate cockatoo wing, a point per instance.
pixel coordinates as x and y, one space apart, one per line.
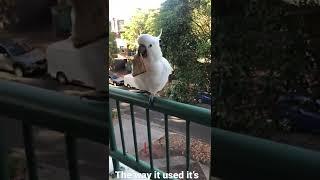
167 67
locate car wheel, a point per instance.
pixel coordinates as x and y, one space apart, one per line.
61 77
46 76
18 71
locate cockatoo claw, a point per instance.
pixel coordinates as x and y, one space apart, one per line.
151 100
143 92
150 96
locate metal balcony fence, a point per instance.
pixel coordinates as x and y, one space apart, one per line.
235 156
187 112
75 117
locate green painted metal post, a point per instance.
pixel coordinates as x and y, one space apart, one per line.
211 156
149 138
167 142
71 144
121 129
29 149
134 133
113 145
188 145
4 170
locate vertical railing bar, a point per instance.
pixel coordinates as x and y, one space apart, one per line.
149 138
113 144
71 145
167 142
121 128
134 133
188 144
4 169
29 150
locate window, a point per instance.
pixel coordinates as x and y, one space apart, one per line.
17 49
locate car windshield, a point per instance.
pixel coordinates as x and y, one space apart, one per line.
114 77
19 49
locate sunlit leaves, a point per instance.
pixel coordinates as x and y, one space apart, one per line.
144 22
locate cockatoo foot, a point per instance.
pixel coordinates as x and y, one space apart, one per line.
151 100
143 92
150 96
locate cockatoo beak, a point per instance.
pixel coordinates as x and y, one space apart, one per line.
142 50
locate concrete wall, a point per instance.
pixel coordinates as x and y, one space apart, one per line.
33 11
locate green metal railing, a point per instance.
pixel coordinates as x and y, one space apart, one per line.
187 112
236 156
75 117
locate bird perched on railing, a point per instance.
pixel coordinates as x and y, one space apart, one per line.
156 69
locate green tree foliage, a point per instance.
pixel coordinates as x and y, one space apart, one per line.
265 50
143 22
186 38
201 27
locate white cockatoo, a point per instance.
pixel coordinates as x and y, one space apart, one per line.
157 67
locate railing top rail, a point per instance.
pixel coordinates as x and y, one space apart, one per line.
184 111
264 158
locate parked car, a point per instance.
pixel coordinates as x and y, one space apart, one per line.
203 97
298 113
20 58
115 80
128 81
119 64
85 65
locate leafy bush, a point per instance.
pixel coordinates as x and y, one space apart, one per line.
263 51
186 36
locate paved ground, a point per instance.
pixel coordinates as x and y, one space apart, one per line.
141 131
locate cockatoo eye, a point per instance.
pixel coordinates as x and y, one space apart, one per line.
150 45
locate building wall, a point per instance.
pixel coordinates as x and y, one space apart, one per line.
117 25
34 11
